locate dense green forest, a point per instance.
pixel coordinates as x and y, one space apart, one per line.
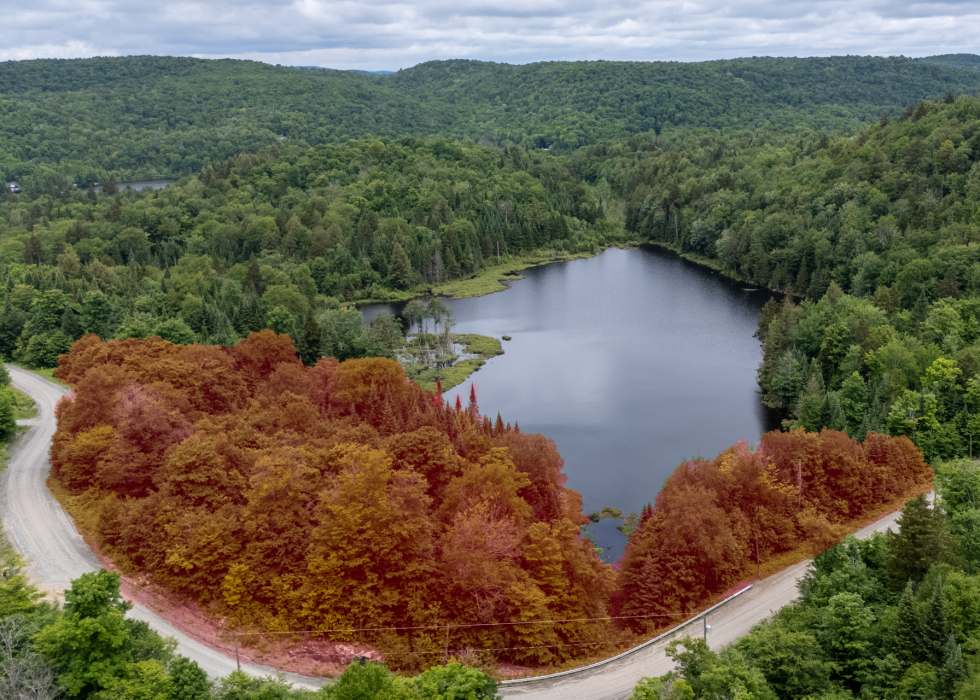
896 617
879 233
279 240
80 121
963 61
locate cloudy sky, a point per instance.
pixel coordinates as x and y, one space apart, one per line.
378 35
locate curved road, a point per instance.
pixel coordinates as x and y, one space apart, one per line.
45 535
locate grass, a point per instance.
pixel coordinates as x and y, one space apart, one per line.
24 406
483 346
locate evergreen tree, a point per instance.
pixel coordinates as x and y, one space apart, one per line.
918 544
400 268
935 628
906 641
952 671
308 347
70 325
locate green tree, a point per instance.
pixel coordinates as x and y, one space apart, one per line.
921 541
455 681
952 671
906 639
92 645
662 688
176 331
371 681
8 426
310 341
845 630
189 681
400 268
935 627
790 660
281 321
854 402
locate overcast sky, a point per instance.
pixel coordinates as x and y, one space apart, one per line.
377 35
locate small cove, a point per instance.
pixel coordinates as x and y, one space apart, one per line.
632 362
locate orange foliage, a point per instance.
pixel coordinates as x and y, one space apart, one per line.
343 496
715 520
331 497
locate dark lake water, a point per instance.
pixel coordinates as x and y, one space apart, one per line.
632 362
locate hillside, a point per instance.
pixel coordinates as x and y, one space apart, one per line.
961 61
878 233
79 121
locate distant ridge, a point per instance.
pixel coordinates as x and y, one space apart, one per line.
145 117
351 70
962 61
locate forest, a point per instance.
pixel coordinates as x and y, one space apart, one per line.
873 238
240 438
283 497
893 617
284 239
65 122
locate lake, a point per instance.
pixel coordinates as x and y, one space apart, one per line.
632 362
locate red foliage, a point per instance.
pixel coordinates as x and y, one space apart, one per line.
714 518
327 497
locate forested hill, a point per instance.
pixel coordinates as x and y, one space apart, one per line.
963 61
572 104
65 121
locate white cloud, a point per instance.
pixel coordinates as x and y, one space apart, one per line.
375 34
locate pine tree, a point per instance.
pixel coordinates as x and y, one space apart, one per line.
935 628
70 325
918 544
906 641
952 671
400 268
308 347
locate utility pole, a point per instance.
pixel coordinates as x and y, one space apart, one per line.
238 662
445 651
707 628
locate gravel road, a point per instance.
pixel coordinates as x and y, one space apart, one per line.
45 535
615 680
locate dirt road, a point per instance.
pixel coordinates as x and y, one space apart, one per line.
615 680
45 535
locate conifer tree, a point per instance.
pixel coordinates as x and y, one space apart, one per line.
906 642
400 268
918 544
935 628
952 671
308 347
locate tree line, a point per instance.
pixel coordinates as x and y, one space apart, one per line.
282 239
90 650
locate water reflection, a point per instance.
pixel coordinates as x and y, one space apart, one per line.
632 362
